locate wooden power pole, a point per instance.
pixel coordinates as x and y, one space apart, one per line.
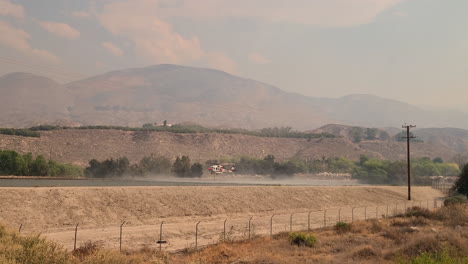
408 139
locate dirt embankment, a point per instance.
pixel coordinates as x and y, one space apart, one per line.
44 208
99 212
79 146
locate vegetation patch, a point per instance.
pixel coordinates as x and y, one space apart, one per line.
279 132
366 252
342 227
458 199
19 132
13 163
302 239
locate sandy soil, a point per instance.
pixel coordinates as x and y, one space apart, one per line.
99 211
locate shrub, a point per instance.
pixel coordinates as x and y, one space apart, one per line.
15 248
375 226
459 199
453 215
365 253
422 244
196 170
302 239
342 227
418 211
88 248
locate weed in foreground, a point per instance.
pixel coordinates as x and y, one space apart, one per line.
86 249
441 257
366 252
453 215
376 226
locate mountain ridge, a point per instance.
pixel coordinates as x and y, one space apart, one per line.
134 96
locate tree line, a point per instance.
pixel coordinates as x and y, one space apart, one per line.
367 170
13 163
279 132
148 166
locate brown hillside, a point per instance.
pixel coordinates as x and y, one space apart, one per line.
79 146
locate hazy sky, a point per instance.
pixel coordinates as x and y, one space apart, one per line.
412 50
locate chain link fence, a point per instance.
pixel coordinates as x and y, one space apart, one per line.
173 236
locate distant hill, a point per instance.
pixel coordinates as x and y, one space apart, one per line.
373 111
354 133
78 146
453 138
28 99
133 97
176 93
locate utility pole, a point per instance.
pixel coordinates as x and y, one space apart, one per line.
408 139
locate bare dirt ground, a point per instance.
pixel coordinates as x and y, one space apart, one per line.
100 211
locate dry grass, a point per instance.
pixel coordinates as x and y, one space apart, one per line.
406 239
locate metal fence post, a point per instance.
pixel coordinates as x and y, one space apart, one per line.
224 234
160 236
352 214
76 233
386 215
250 219
308 221
19 229
325 218
196 236
121 236
290 222
271 225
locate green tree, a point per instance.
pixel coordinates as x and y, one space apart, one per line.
363 159
384 136
341 165
461 186
155 165
371 133
397 172
289 168
356 134
10 162
372 171
39 166
196 170
181 167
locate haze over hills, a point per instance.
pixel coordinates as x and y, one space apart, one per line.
28 99
175 93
